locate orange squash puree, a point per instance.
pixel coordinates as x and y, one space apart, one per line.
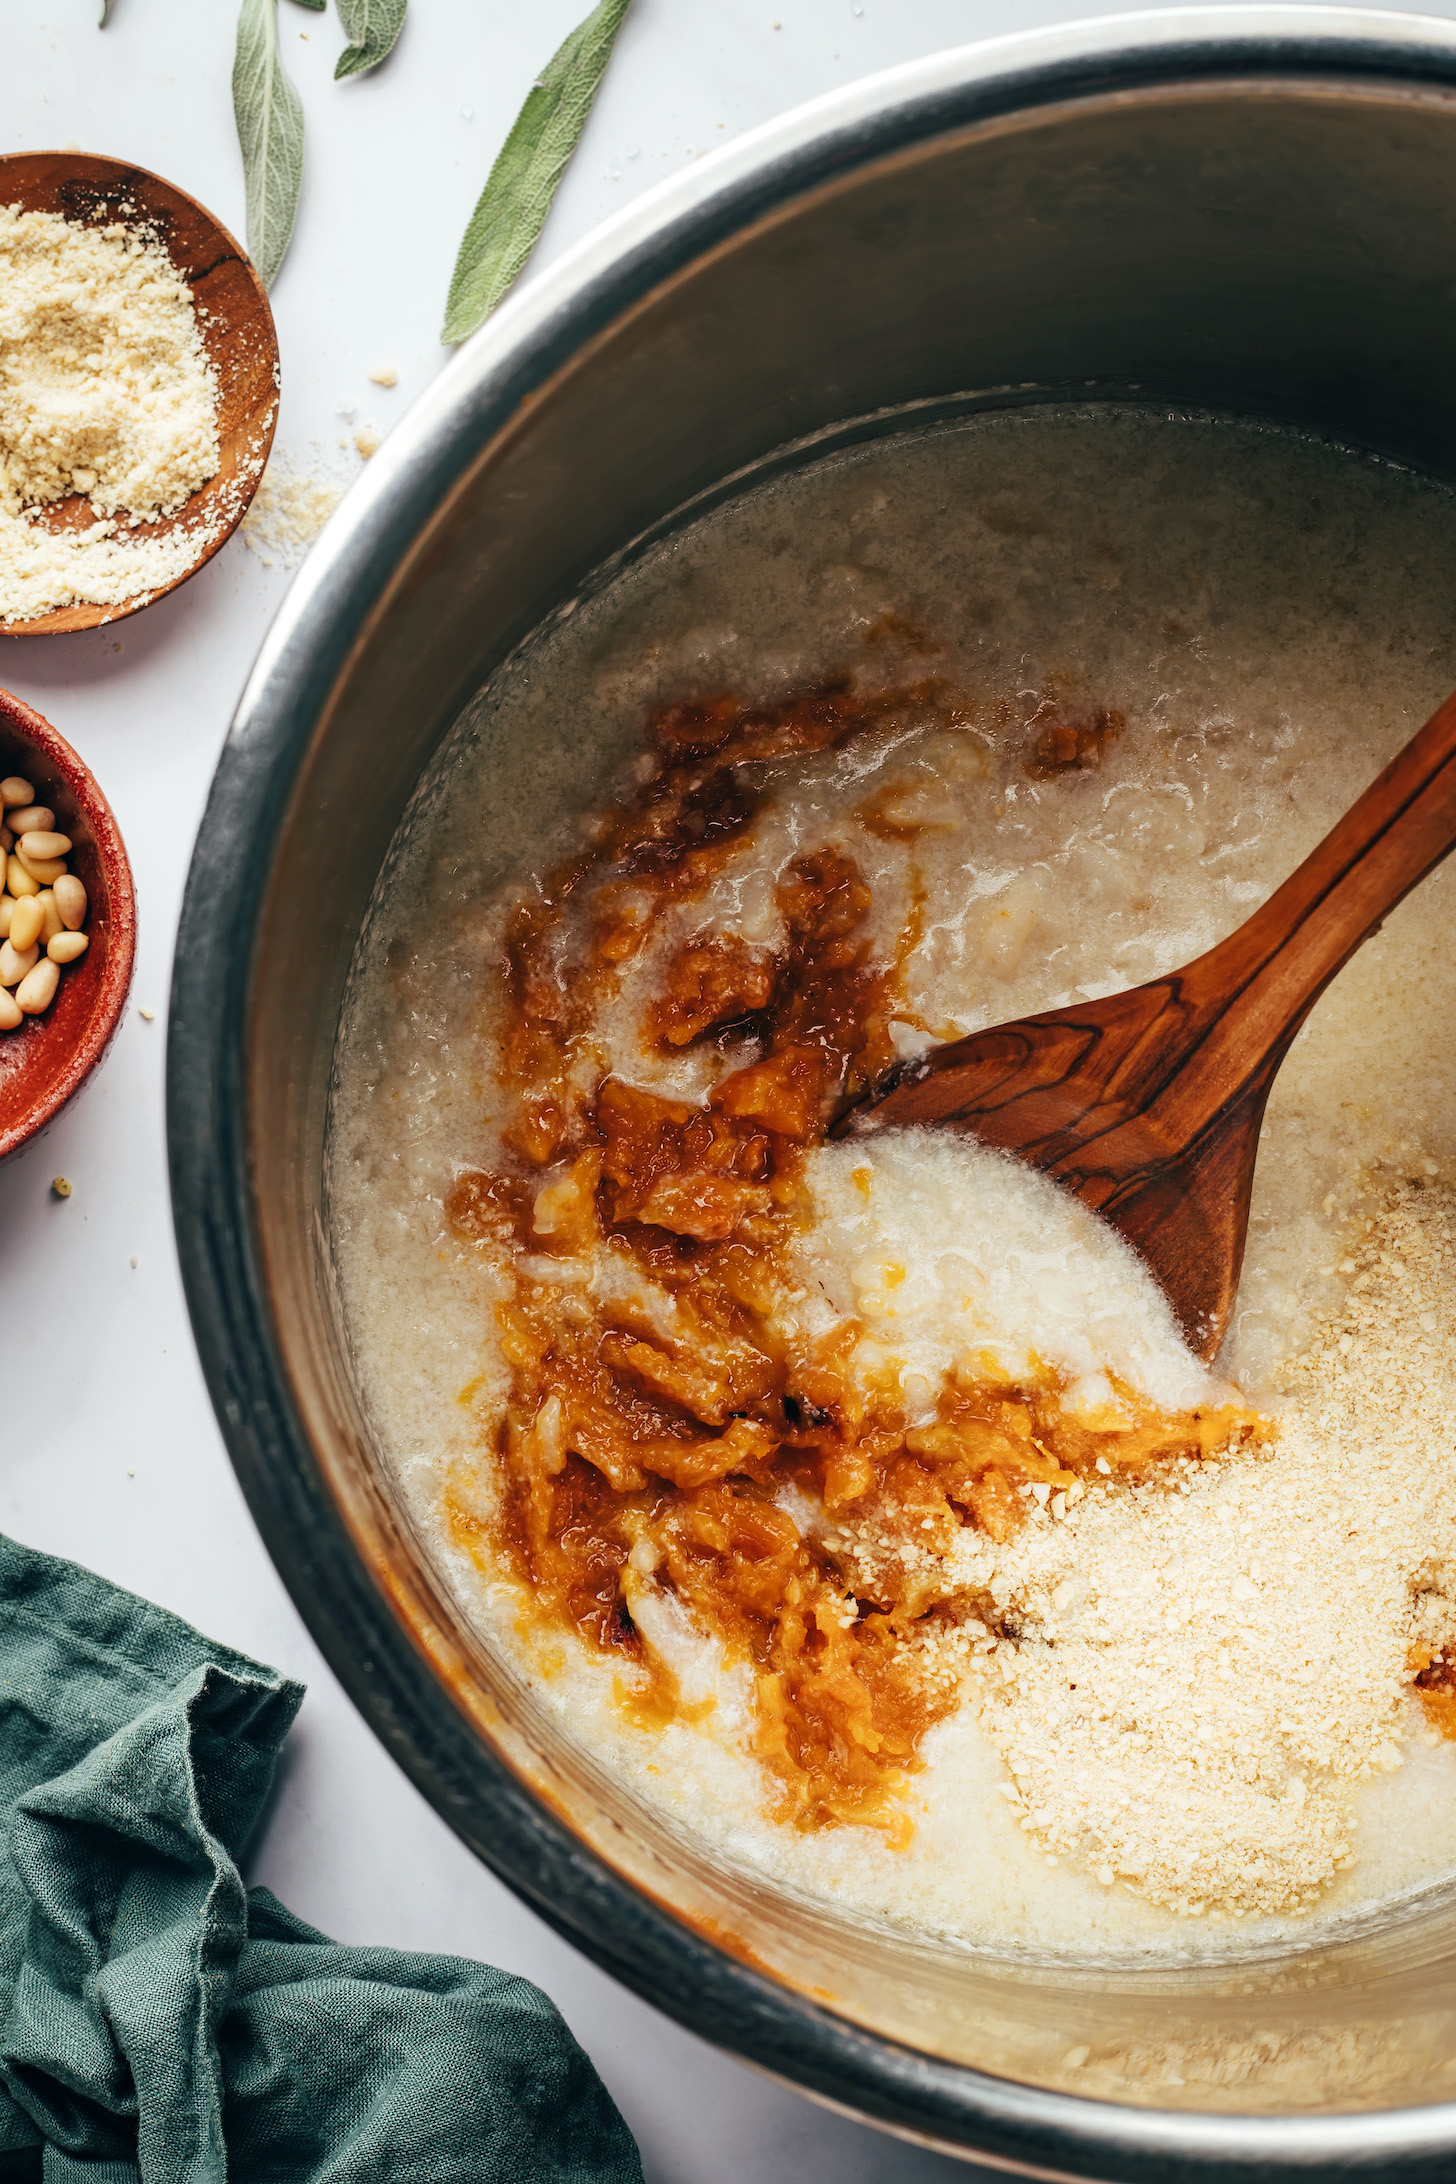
1436 1688
630 1457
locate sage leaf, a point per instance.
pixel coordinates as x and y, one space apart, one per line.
269 116
517 196
317 6
373 26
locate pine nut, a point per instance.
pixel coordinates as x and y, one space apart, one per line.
37 989
37 843
43 870
44 906
27 923
16 963
71 901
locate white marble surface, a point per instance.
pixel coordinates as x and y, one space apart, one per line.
108 1450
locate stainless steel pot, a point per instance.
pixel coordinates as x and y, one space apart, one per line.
1250 209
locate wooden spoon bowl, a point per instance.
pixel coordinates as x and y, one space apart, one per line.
236 325
45 1062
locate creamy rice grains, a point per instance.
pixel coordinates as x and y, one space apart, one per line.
861 1503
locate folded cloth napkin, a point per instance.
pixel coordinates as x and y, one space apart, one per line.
164 2025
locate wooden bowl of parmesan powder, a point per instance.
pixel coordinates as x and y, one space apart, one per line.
138 389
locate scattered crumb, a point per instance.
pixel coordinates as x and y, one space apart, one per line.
291 507
385 375
131 1471
60 1186
133 1258
146 1015
366 438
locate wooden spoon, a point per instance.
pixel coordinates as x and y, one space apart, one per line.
1148 1103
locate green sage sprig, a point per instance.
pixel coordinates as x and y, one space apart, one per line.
269 111
512 207
372 26
504 227
269 116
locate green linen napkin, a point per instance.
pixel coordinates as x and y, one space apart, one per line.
160 2023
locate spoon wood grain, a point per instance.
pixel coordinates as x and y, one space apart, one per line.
236 325
1148 1103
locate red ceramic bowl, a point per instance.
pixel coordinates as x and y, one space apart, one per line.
45 1062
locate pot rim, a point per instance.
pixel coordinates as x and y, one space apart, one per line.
869 2076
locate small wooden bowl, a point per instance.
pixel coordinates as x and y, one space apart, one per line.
45 1062
237 331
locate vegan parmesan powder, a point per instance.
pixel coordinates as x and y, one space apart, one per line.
106 390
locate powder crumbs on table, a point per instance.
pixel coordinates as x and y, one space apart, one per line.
106 391
291 507
1187 1680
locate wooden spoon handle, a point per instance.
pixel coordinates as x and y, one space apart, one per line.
1147 1103
1252 992
1091 1090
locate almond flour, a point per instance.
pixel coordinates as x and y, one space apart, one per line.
1197 1677
106 391
291 506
